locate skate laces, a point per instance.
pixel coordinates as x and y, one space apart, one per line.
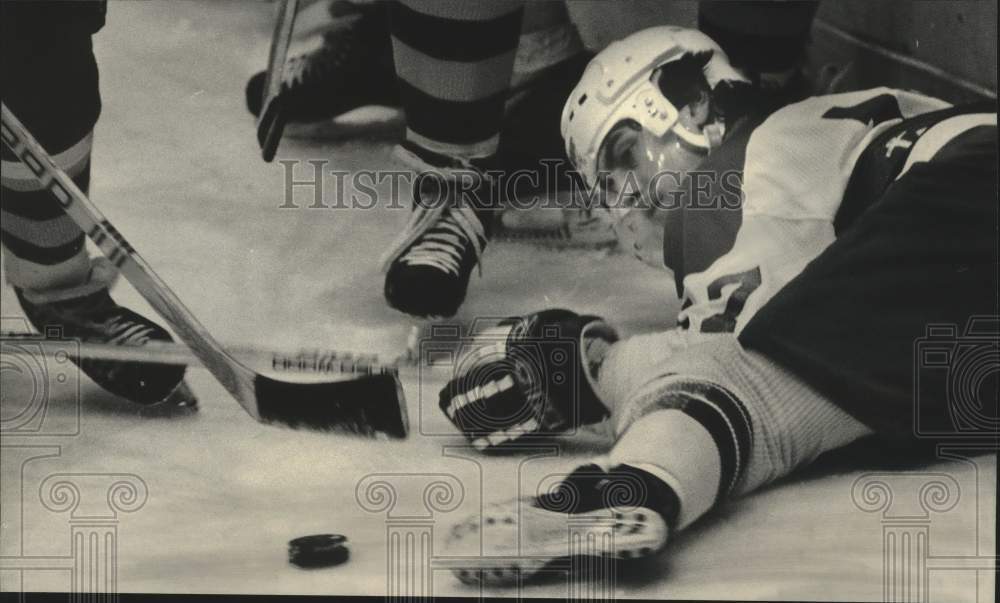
128 332
120 325
446 243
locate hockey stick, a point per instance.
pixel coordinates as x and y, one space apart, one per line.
271 123
369 405
329 362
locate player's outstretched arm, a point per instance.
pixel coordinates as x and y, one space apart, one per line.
725 421
712 423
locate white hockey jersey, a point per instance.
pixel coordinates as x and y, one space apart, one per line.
798 165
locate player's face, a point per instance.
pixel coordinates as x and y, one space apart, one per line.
639 169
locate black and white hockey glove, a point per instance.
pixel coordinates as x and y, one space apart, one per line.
530 376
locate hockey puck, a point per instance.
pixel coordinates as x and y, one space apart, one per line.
320 550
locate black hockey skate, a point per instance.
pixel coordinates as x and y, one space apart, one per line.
429 264
551 211
617 514
352 68
94 317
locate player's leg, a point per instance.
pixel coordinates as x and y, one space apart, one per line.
50 83
720 421
925 254
349 63
454 61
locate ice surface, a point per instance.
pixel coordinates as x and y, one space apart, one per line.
177 169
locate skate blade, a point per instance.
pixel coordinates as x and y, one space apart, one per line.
180 402
553 230
524 543
557 239
371 121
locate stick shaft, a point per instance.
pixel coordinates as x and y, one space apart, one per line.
280 41
235 378
271 121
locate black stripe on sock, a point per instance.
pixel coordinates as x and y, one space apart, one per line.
726 419
742 428
454 39
46 256
457 122
40 205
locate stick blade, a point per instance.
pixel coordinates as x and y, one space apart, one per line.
367 406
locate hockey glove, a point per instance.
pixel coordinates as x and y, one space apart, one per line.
529 377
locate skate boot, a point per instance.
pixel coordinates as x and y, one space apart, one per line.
617 514
550 210
352 68
429 264
87 313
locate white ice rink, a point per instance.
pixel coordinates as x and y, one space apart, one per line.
211 500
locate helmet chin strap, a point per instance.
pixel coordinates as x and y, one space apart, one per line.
714 134
710 137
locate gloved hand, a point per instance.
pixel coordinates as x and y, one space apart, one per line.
528 377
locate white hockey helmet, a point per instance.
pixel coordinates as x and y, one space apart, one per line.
616 86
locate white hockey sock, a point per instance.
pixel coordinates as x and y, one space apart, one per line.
678 449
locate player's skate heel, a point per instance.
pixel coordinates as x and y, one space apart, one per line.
181 399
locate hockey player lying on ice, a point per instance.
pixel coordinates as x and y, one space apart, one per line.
866 217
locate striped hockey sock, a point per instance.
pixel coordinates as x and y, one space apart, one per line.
43 248
454 61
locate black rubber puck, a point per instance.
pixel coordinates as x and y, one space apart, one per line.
320 550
